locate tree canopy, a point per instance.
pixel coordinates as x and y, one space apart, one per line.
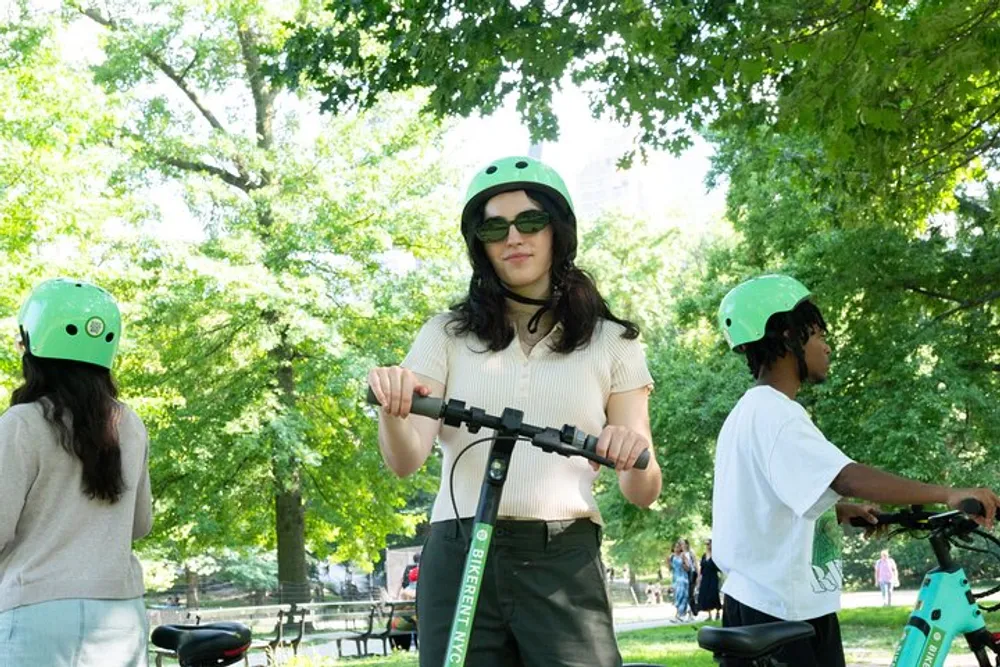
897 100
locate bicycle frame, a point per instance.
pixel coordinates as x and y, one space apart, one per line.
944 610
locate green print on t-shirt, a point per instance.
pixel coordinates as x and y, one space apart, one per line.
827 566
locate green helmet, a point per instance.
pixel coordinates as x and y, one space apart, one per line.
513 173
744 312
72 320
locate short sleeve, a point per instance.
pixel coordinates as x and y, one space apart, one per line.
628 362
801 467
429 354
18 470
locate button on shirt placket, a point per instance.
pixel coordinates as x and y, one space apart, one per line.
524 380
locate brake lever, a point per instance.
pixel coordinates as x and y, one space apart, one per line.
550 440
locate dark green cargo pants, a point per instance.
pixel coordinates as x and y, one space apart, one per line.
543 601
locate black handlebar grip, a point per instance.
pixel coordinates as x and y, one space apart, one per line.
972 507
861 522
425 406
642 462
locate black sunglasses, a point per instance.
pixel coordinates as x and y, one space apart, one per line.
496 228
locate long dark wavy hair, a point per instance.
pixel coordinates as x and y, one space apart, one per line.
87 395
800 324
576 303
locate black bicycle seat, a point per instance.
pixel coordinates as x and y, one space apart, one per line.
752 641
209 645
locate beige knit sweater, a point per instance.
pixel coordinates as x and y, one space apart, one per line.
55 542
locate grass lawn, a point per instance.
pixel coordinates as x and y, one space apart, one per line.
868 633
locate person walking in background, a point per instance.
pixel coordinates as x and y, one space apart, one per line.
708 585
681 568
692 578
886 577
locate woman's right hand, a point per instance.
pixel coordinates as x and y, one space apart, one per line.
393 386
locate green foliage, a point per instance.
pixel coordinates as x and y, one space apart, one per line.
56 216
158 574
251 570
256 340
245 350
855 141
897 98
645 276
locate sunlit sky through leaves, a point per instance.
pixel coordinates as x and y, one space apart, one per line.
667 191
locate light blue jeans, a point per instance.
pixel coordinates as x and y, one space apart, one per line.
75 633
886 593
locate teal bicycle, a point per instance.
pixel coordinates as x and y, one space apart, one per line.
946 607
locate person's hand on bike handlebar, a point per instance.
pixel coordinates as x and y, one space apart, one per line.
622 445
393 387
848 511
989 500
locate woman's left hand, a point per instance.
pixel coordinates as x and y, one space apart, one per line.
622 445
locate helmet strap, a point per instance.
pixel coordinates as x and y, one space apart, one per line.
546 305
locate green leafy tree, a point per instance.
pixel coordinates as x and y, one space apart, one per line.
57 214
255 341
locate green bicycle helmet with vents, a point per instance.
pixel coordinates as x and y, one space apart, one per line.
72 320
516 172
745 310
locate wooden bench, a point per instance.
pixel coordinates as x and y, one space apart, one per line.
339 624
279 640
395 611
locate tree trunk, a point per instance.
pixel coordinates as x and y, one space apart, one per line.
633 585
290 515
193 580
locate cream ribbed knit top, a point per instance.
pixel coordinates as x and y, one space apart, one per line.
551 388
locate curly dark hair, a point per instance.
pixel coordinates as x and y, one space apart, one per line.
80 403
800 323
576 303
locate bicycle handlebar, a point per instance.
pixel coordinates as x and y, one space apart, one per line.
920 519
569 441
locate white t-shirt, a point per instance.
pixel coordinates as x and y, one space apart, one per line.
775 533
